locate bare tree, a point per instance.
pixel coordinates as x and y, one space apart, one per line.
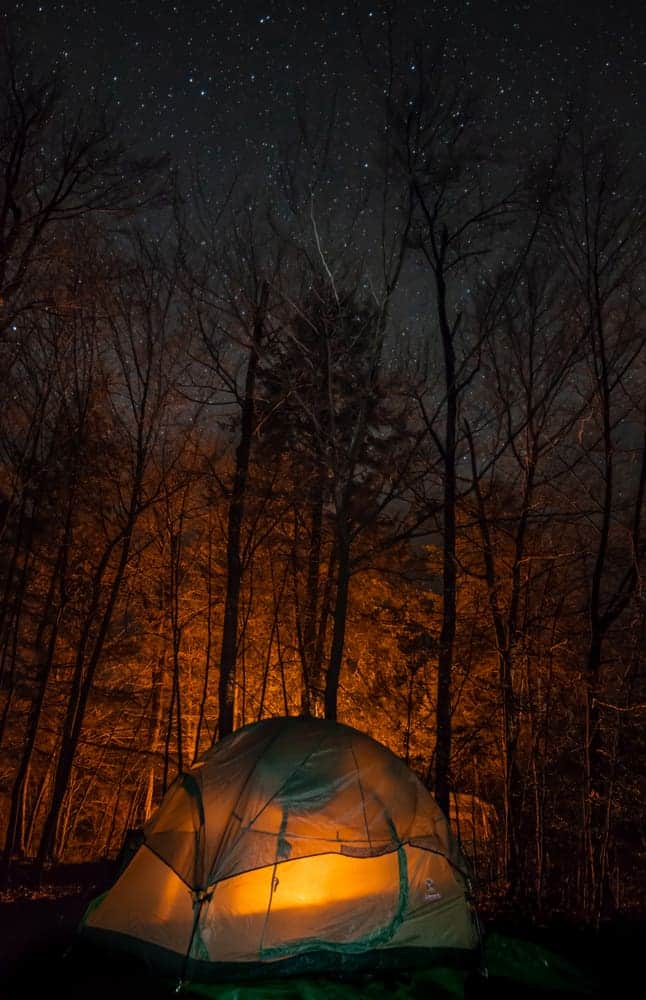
56 169
436 142
135 373
598 228
530 355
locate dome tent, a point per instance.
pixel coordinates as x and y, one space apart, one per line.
293 845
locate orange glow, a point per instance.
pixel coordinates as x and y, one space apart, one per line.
167 902
310 882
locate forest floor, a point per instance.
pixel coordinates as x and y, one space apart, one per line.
38 956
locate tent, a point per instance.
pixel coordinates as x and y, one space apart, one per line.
293 845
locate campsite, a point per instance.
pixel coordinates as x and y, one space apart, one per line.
322 499
299 858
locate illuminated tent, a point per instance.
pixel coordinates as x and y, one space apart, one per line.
293 845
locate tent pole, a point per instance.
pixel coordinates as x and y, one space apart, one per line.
201 896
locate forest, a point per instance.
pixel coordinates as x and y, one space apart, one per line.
372 449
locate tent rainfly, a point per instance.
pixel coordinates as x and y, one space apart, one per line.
293 845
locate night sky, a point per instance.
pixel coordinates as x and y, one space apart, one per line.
218 82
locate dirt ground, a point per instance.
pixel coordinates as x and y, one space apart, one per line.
38 948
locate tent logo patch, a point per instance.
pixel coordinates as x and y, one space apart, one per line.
431 893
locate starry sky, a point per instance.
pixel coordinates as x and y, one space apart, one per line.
222 83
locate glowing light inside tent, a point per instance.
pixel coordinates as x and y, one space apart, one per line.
310 882
170 889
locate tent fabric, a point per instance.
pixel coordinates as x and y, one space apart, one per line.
292 844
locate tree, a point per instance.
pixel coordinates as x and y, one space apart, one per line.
56 169
530 354
598 226
437 145
133 372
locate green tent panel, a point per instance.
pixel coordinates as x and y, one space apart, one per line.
293 845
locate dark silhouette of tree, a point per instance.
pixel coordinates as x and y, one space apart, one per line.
134 369
438 148
598 227
56 169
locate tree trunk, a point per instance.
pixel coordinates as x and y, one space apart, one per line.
312 681
17 802
84 671
339 623
443 726
228 652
